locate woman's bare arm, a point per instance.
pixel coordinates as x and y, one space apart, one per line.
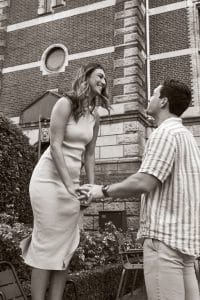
59 117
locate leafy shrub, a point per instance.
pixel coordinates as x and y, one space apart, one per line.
95 249
98 283
10 236
95 266
17 160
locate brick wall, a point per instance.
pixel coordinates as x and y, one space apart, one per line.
167 32
174 67
156 3
21 88
78 33
24 10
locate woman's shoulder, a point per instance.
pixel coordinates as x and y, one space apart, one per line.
64 103
95 113
65 99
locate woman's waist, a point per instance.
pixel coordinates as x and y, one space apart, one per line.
46 166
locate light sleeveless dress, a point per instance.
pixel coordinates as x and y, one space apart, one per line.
55 234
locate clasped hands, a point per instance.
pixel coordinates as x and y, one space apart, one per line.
88 192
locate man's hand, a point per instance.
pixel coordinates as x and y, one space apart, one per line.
91 191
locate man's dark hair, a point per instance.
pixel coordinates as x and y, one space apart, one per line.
178 95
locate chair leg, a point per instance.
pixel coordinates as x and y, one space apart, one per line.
120 284
134 280
74 289
124 283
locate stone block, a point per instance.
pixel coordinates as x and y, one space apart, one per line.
3 17
111 129
130 37
132 150
133 208
126 13
2 43
131 3
129 167
128 61
137 4
88 223
131 126
131 138
96 223
108 168
131 21
132 51
97 152
134 70
106 140
196 130
126 98
94 208
127 29
127 80
133 223
111 152
4 4
133 106
134 88
114 206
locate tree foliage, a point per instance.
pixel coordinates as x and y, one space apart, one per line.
17 160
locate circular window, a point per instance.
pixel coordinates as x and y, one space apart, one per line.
55 59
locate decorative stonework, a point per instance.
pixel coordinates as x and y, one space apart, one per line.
130 51
194 33
4 5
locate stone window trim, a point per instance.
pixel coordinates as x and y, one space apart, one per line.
194 26
49 6
44 69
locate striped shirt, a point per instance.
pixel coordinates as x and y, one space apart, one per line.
171 212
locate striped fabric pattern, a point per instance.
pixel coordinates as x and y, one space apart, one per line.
171 212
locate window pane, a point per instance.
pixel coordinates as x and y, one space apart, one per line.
55 59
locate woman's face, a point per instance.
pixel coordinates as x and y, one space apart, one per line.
97 81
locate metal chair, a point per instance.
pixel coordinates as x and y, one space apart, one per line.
72 283
10 287
197 270
132 261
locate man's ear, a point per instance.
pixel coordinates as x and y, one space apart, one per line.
164 102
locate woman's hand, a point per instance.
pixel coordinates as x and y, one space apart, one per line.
73 191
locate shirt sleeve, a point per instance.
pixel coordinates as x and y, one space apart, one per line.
159 155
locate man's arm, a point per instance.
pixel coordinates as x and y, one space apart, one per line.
135 184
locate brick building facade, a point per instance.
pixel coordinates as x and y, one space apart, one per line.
43 42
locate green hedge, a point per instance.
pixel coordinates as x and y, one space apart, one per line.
17 160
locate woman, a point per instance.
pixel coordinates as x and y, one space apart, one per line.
73 131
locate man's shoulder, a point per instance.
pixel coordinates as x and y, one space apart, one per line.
162 130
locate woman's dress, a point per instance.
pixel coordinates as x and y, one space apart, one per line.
55 234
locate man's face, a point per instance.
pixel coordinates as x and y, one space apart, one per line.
154 102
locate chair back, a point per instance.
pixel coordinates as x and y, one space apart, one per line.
10 287
129 251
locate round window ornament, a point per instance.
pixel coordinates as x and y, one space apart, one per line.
54 59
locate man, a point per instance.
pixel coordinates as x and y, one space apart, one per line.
169 179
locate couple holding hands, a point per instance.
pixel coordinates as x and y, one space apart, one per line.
167 178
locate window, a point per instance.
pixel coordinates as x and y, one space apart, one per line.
47 6
54 59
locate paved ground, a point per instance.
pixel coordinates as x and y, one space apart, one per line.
139 294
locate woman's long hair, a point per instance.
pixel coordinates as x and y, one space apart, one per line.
81 89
